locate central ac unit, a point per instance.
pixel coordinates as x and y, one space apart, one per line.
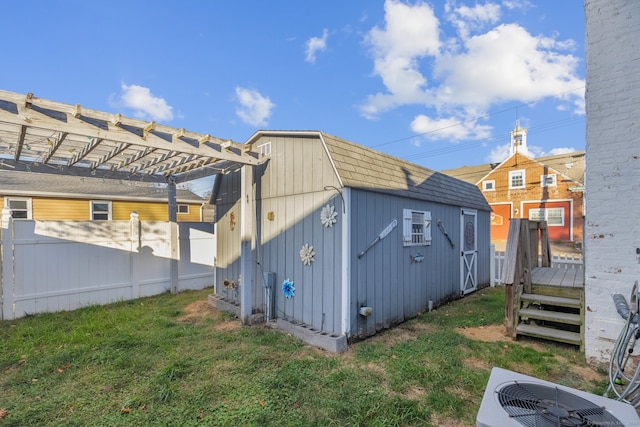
515 400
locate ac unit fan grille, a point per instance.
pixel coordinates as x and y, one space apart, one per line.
536 405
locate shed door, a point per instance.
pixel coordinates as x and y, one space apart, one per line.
468 252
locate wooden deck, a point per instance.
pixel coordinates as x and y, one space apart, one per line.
562 277
540 301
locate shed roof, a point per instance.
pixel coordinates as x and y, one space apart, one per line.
364 168
73 187
568 164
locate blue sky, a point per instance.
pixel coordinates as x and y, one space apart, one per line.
438 83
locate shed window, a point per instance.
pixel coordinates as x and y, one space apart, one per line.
489 185
183 208
516 179
553 216
100 210
20 207
548 180
416 228
265 149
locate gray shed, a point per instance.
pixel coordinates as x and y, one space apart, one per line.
339 241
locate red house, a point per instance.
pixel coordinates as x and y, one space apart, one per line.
549 188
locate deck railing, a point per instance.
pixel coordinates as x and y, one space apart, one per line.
561 260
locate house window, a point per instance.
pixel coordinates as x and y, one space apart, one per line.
265 149
20 207
516 179
183 208
100 210
553 216
489 185
548 180
416 228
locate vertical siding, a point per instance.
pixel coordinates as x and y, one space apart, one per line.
290 190
386 279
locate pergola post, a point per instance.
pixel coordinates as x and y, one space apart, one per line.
247 216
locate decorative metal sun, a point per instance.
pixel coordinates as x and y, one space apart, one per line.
328 216
307 254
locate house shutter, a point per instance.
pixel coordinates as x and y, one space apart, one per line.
406 227
427 228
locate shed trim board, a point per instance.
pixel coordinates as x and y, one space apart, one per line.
346 262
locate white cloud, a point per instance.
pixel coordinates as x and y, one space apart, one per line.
460 78
466 19
449 128
145 105
411 33
501 153
254 108
315 45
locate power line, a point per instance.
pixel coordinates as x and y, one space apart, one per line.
484 116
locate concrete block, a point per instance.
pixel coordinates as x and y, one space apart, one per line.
330 342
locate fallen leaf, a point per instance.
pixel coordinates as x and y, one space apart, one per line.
3 413
125 410
34 380
261 402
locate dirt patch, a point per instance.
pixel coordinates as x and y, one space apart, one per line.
401 333
196 311
491 333
495 333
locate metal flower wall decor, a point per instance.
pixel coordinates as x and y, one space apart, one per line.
328 216
288 289
306 254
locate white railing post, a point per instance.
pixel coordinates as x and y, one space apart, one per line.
492 264
134 251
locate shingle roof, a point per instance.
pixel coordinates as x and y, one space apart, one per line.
365 168
568 164
65 186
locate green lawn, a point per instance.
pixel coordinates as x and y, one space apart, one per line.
171 360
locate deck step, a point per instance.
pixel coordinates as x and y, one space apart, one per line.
549 333
551 300
552 316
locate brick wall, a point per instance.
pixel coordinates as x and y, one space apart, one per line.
612 228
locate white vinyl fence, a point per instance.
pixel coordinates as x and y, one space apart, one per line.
563 260
50 266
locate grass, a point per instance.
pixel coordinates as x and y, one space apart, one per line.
170 360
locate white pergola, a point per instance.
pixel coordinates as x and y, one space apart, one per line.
42 136
38 135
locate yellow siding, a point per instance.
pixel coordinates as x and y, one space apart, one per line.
193 215
53 209
151 211
146 211
60 209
